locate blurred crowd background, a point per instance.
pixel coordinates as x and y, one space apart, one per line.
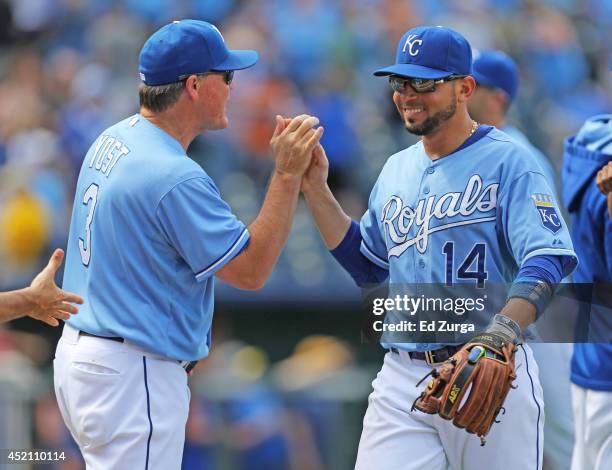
286 384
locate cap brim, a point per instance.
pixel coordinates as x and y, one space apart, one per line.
412 71
238 60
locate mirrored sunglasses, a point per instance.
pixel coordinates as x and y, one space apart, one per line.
419 85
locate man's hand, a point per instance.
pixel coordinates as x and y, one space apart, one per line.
49 302
604 183
604 179
293 144
316 174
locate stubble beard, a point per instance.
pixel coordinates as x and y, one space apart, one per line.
433 123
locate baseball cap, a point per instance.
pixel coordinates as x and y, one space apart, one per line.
431 52
496 69
188 47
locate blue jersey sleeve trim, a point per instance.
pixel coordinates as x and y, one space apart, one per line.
569 258
373 257
347 253
234 250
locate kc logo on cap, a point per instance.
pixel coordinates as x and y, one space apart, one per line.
411 41
431 52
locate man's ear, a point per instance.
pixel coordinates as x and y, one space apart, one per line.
467 86
192 86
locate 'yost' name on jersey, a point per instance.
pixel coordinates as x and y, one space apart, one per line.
475 201
107 153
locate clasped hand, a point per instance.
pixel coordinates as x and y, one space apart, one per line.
298 151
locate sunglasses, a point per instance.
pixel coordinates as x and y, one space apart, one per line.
228 75
419 85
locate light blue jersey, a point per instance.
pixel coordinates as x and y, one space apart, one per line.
148 231
473 216
545 164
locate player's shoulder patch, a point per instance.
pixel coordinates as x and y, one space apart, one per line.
545 205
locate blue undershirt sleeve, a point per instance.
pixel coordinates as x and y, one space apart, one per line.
348 254
547 268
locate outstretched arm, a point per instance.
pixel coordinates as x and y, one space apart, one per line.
42 300
340 234
333 223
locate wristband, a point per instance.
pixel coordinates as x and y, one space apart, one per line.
536 293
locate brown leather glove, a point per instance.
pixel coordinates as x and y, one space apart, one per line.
487 364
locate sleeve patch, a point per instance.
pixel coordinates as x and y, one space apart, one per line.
545 205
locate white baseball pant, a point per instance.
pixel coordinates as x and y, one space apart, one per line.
593 419
125 408
394 438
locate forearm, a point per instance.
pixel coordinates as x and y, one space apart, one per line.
270 230
331 220
521 311
15 304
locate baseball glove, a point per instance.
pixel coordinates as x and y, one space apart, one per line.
487 364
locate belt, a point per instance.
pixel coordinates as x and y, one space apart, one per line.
112 338
187 365
434 356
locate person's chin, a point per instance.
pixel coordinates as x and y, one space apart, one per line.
420 129
413 126
221 124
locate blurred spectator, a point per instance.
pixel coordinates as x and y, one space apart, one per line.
250 416
318 378
52 435
23 228
201 435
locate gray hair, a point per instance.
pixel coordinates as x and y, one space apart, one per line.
160 97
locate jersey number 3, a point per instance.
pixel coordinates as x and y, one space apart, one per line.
477 256
90 198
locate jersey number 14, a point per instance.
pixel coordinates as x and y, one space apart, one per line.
90 198
477 257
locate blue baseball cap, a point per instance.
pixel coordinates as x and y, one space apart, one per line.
188 47
496 69
431 52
